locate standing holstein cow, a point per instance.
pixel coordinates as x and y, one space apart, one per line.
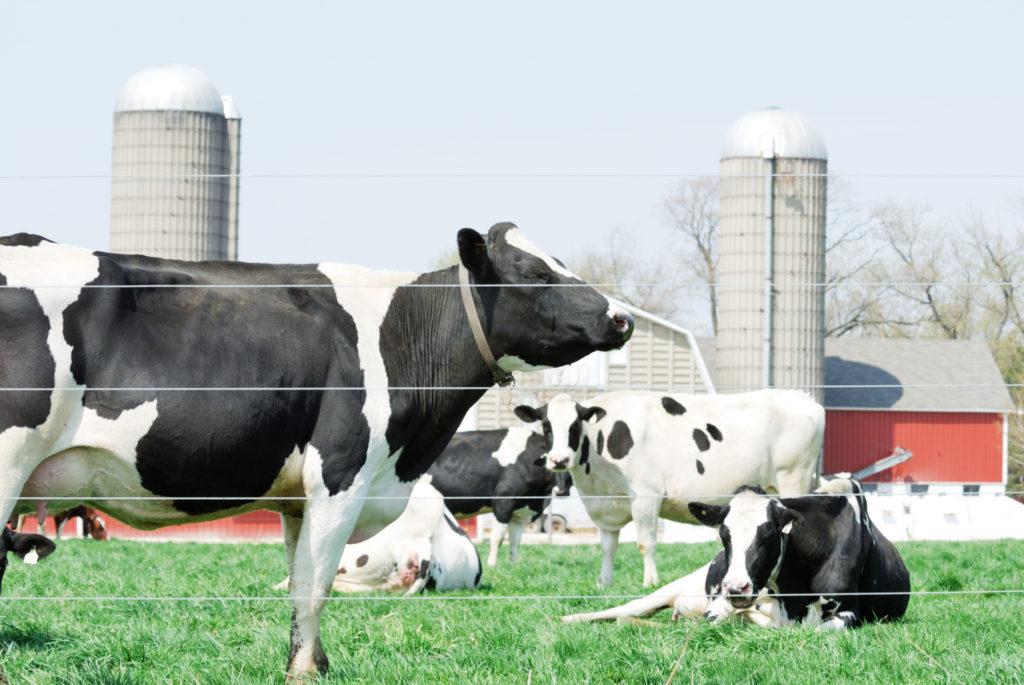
199 390
815 559
637 456
500 471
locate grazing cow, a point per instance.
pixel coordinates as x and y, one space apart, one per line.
498 471
161 391
27 546
422 548
815 559
92 524
640 455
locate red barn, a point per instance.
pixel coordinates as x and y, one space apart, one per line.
944 401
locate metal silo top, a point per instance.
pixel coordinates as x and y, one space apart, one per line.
773 132
174 87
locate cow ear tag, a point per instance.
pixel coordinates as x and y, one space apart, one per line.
788 528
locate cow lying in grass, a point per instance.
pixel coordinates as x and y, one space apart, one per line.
815 560
422 548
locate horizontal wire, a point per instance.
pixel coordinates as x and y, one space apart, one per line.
470 598
388 498
505 175
521 388
660 284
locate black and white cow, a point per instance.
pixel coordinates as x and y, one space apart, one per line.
29 547
814 559
199 390
635 456
424 548
499 471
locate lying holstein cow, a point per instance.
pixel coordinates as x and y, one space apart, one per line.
816 559
181 391
498 471
635 456
29 547
424 548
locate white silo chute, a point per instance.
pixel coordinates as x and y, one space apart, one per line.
771 269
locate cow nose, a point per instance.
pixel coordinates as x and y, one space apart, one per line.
738 588
623 324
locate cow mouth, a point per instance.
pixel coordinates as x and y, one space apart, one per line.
741 601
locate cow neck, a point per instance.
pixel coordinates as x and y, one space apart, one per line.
773 578
502 377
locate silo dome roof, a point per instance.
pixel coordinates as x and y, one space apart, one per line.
773 131
174 87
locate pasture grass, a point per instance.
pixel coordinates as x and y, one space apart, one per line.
489 636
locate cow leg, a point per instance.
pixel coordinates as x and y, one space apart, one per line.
497 535
515 535
645 516
609 545
326 526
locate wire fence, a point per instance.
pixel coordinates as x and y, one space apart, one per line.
249 500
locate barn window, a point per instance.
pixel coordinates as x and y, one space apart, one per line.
972 490
869 487
918 488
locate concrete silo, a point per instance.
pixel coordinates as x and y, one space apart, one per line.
176 158
771 247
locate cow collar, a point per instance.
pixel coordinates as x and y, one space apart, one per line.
501 376
773 579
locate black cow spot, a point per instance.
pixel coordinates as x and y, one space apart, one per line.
585 452
672 407
700 467
714 432
587 469
600 442
361 561
424 569
701 438
620 441
342 570
456 528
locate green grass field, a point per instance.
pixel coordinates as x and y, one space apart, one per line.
487 636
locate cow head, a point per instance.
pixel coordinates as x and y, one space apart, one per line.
561 420
753 528
536 313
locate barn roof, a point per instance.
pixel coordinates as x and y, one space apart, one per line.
913 375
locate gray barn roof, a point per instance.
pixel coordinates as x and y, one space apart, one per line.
913 375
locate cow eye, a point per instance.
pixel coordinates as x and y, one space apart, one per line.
539 276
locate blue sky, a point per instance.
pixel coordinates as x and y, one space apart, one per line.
372 132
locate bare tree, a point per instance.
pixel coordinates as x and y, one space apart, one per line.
619 269
692 210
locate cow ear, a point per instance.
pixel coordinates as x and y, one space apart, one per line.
473 253
587 413
789 520
527 414
708 514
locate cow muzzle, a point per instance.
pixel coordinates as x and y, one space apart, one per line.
740 593
558 463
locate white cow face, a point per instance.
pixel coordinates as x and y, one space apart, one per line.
534 311
561 422
753 528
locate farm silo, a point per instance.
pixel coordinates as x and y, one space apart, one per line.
174 191
771 247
